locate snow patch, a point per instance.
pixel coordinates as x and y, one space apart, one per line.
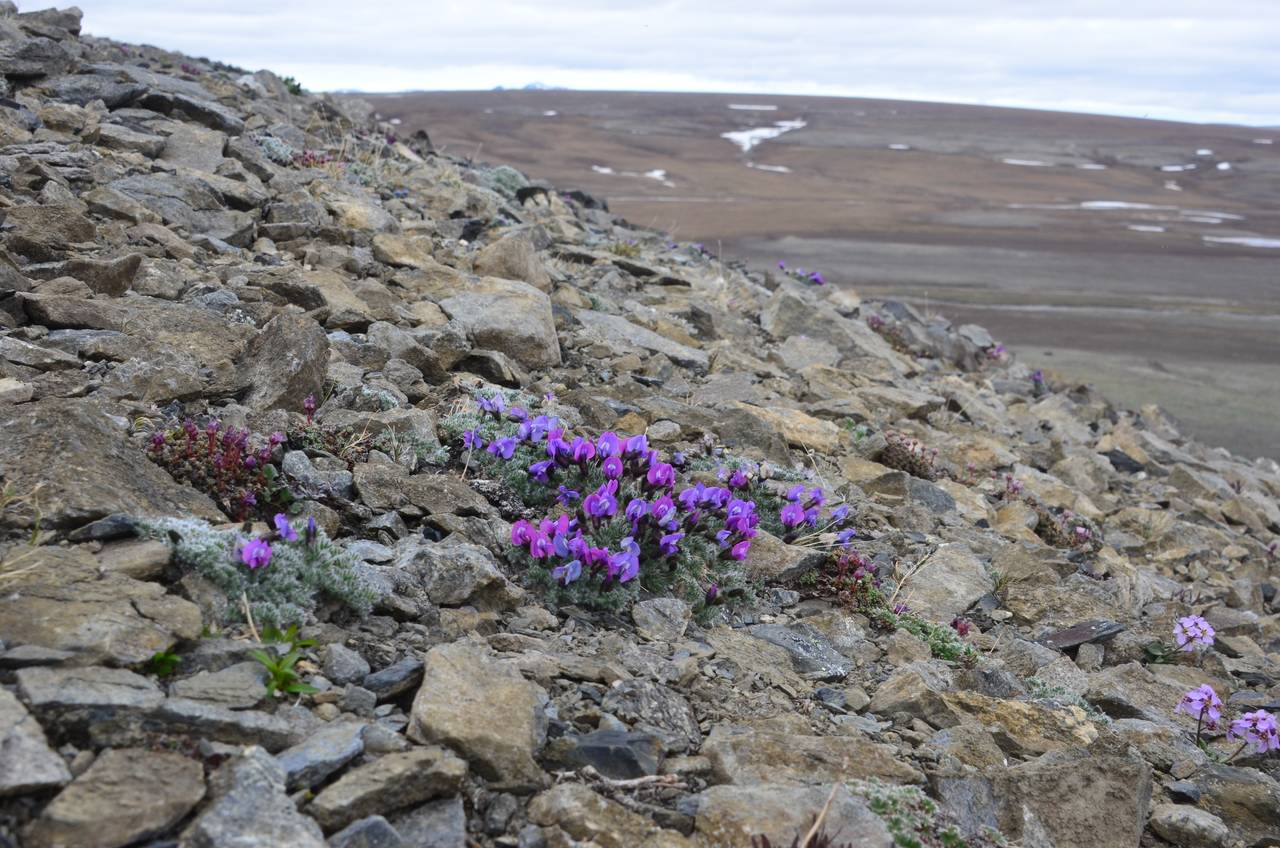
747 139
1119 204
661 176
1026 163
753 107
1172 185
1146 228
1202 219
602 169
395 122
1091 166
1245 241
775 169
899 147
1177 169
550 113
1263 141
1223 166
1204 151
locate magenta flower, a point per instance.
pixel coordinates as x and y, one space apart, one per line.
471 440
522 533
1258 729
284 528
608 445
740 550
1202 703
540 471
713 594
792 515
738 479
612 468
582 450
636 445
600 504
1193 631
256 553
669 545
309 406
504 447
660 476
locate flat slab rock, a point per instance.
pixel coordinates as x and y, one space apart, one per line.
27 763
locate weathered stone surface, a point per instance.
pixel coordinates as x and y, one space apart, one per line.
745 755
322 753
368 832
80 699
812 655
387 784
453 574
342 665
947 584
1189 827
239 686
734 815
513 257
27 764
661 619
435 824
285 363
485 710
625 335
85 466
508 316
127 795
250 809
586 816
653 708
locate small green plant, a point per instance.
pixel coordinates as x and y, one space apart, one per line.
625 249
1057 696
293 86
162 664
23 509
915 821
1160 653
283 678
287 636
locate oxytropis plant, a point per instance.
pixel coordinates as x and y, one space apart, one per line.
617 515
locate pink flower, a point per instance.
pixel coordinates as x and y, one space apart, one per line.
1193 631
1202 704
1257 729
256 553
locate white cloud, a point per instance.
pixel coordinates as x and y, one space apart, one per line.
1180 59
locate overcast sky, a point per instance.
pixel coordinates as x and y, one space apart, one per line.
1179 59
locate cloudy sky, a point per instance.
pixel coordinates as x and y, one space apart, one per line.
1189 60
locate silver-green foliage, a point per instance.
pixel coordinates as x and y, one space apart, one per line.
284 592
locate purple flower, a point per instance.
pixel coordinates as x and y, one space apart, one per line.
637 509
495 405
582 451
795 493
1258 729
840 514
522 533
1193 631
568 572
540 546
540 470
660 476
567 496
817 279
669 545
782 266
844 537
612 468
713 594
636 445
608 445
1037 376
740 550
664 512
600 504
256 553
816 497
625 565
792 515
309 405
738 479
471 440
285 529
504 447
517 413
678 459
311 531
1202 704
276 439
1082 534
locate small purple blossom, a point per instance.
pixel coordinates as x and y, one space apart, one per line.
713 594
311 531
284 528
541 471
256 553
660 476
1258 729
608 445
1202 704
792 515
567 496
471 440
669 545
568 572
1193 631
612 468
504 447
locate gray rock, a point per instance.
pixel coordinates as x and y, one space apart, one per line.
249 809
615 753
368 832
661 619
239 686
624 335
507 316
745 756
456 573
342 665
387 784
27 764
436 824
396 679
734 815
951 580
126 796
285 363
80 700
485 710
1189 827
209 721
653 708
321 754
811 653
513 257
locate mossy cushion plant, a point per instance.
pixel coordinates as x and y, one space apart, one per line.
282 578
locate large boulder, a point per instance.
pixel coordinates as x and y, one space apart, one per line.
285 362
508 316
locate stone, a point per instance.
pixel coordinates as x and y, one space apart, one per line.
341 665
249 809
203 720
623 335
746 755
735 815
126 796
321 753
617 754
27 764
396 679
43 233
798 429
655 709
946 584
239 686
285 363
1246 799
389 783
368 832
510 317
899 487
773 560
1189 827
812 655
513 257
112 277
86 467
1076 799
453 573
79 699
435 824
661 619
485 710
587 817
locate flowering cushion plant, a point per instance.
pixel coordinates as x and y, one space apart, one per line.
234 467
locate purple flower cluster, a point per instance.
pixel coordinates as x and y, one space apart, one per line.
801 274
1193 631
1258 729
256 553
1203 704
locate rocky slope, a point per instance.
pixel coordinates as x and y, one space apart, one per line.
223 302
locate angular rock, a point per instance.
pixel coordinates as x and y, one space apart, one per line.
485 710
812 655
239 686
387 784
951 580
745 756
513 257
1189 827
458 573
510 317
368 832
285 363
436 824
586 816
734 815
27 764
655 709
322 753
249 809
661 619
341 665
126 796
623 334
